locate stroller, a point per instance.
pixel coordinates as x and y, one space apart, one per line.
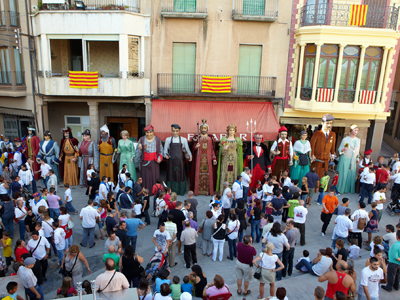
157 265
394 205
27 195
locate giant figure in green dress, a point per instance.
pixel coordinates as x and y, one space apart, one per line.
127 153
301 161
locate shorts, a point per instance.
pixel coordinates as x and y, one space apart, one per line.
243 271
9 260
178 235
311 193
267 276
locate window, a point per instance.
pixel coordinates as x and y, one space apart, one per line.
78 124
5 73
14 15
316 12
183 67
2 14
185 5
371 68
19 74
327 66
253 7
249 69
309 61
348 76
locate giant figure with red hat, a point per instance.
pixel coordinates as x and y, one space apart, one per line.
283 150
31 149
323 145
150 153
69 157
260 159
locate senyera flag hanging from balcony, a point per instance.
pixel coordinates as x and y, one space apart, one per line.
358 14
83 80
210 84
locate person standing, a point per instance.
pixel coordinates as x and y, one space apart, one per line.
88 216
342 228
219 238
380 199
291 234
233 230
393 269
39 247
59 240
188 239
206 228
161 239
52 181
246 181
170 227
193 205
25 176
178 219
268 193
133 225
300 214
237 191
313 184
94 185
368 185
29 281
329 204
371 276
20 214
243 268
111 280
360 218
277 205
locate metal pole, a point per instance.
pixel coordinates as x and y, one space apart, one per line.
251 138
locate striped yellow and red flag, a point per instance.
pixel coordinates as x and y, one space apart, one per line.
358 14
83 80
210 84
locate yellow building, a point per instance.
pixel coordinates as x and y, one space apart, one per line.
356 47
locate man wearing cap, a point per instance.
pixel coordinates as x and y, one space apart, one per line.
323 145
88 154
37 202
106 146
31 150
150 153
176 149
283 150
68 157
29 280
49 150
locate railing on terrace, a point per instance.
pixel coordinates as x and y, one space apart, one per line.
191 85
20 78
14 19
184 6
2 18
56 73
344 96
5 78
129 5
339 15
259 8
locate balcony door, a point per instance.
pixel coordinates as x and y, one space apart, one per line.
376 15
315 12
183 67
248 82
185 5
253 7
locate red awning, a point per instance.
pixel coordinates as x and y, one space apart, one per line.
219 114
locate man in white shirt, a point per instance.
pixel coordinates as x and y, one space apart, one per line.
390 237
29 280
300 214
25 176
38 202
364 172
371 276
52 181
226 200
88 216
268 193
39 247
246 180
44 169
360 215
380 198
29 167
342 228
59 240
118 282
103 189
237 191
368 185
161 239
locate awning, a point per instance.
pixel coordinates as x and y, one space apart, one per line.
219 114
16 112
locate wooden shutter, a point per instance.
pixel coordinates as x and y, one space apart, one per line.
185 5
249 69
253 7
183 67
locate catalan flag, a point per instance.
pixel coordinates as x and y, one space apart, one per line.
83 80
211 84
358 14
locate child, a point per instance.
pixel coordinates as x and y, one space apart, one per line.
376 241
186 286
89 172
68 199
354 251
259 188
146 206
137 207
331 164
167 194
323 186
96 197
38 228
175 288
7 250
123 216
335 182
263 222
12 288
185 209
306 255
285 179
372 225
111 185
294 202
44 193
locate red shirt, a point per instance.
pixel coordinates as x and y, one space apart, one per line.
157 187
335 180
19 252
245 254
382 176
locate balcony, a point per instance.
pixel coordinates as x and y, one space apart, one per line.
2 18
332 14
191 9
191 85
255 10
56 83
14 19
129 5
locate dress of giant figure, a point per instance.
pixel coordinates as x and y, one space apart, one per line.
106 146
323 145
302 153
203 169
50 151
127 151
283 150
31 150
88 154
230 158
68 160
349 151
150 154
176 149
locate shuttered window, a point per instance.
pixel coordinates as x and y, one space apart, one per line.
249 69
253 7
185 5
183 67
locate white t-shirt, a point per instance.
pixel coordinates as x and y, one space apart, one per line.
103 189
369 178
359 213
303 268
260 194
279 241
47 227
35 206
64 219
89 215
161 239
300 213
233 226
322 266
25 176
390 237
372 245
287 182
138 209
354 252
19 212
379 196
396 166
245 179
89 173
343 225
370 279
3 190
238 189
267 189
268 261
215 214
68 194
59 238
364 173
40 251
44 168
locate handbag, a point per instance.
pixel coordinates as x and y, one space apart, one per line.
64 271
201 228
70 224
257 273
212 236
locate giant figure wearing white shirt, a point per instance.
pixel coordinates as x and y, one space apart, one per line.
50 151
283 150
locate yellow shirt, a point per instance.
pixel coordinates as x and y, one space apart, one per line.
7 251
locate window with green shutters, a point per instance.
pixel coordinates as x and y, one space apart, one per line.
185 5
183 67
249 69
253 7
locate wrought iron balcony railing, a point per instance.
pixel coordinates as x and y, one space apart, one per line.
20 78
56 73
2 18
191 85
5 78
255 8
339 15
184 6
344 96
129 5
14 19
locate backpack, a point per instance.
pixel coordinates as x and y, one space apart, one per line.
159 190
361 222
159 209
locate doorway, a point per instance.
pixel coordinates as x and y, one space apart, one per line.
118 124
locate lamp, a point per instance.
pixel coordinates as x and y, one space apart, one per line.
80 5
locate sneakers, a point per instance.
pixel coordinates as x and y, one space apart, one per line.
318 203
323 234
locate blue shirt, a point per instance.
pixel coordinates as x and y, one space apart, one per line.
159 282
129 183
15 187
312 179
187 287
132 226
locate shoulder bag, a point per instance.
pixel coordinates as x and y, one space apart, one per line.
257 273
202 227
66 273
212 236
70 224
36 246
100 290
361 222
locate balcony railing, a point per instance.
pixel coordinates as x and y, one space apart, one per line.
5 78
14 19
344 96
129 5
2 18
255 10
56 73
246 86
20 78
339 15
184 8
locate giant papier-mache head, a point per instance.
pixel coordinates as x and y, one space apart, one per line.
67 132
327 122
149 131
176 130
283 133
203 127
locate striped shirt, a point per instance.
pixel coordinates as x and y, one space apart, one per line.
171 228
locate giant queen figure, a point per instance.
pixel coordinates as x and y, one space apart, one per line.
88 155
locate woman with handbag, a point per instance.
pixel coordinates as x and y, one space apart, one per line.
218 238
265 272
233 229
71 264
65 222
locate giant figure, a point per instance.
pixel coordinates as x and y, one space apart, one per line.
203 169
68 160
283 150
88 154
106 147
302 153
50 151
127 151
176 149
32 149
323 145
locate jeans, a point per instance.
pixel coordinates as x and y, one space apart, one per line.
240 235
308 265
334 187
245 193
60 254
385 245
22 228
393 276
361 297
320 197
146 216
264 205
326 218
189 252
86 232
302 229
9 225
288 261
28 187
232 248
54 213
34 188
278 274
335 238
303 197
366 190
255 227
218 245
132 241
51 241
32 296
45 181
69 207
